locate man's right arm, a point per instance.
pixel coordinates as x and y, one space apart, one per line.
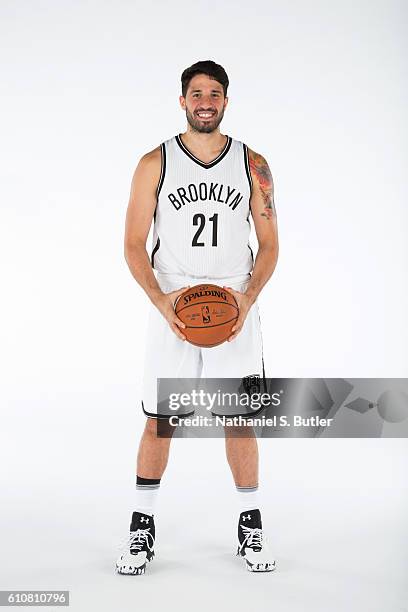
139 216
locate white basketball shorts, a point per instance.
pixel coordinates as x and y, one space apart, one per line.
167 356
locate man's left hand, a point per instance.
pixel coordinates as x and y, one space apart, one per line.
244 304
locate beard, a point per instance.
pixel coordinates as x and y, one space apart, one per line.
204 127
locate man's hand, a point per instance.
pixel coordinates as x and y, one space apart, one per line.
165 303
244 304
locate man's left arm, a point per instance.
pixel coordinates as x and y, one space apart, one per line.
266 228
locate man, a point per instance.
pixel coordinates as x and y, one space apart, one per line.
200 188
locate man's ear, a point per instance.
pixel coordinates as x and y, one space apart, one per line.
182 101
226 100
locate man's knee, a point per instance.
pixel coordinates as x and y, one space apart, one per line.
239 431
151 426
159 428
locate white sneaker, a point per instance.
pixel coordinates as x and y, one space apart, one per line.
253 546
139 546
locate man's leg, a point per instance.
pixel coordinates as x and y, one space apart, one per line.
154 451
242 456
151 462
166 356
242 360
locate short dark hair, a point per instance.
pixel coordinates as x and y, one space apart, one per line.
208 67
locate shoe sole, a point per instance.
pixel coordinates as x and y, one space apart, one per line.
257 567
125 570
253 569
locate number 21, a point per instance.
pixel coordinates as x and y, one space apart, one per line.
199 219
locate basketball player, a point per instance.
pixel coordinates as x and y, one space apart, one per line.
199 188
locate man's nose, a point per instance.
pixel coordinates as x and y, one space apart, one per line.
206 102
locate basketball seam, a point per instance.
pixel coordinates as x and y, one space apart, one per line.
214 302
212 326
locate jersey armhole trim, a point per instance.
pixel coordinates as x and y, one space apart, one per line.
247 168
163 168
162 175
159 186
156 248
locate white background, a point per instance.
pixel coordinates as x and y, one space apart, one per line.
87 87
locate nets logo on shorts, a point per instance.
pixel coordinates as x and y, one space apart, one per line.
252 384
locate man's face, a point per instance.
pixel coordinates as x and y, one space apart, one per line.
204 103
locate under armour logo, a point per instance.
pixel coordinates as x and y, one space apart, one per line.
247 517
144 520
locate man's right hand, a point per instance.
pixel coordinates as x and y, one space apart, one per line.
165 304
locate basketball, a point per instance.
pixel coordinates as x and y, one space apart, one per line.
209 313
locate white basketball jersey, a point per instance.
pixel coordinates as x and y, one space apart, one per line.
201 223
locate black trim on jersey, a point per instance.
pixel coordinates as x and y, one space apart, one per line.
162 175
247 168
249 177
198 161
156 248
163 168
249 246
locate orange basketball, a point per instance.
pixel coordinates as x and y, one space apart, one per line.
209 313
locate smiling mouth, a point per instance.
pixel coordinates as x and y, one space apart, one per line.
205 115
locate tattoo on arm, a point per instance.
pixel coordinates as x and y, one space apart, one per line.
260 169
